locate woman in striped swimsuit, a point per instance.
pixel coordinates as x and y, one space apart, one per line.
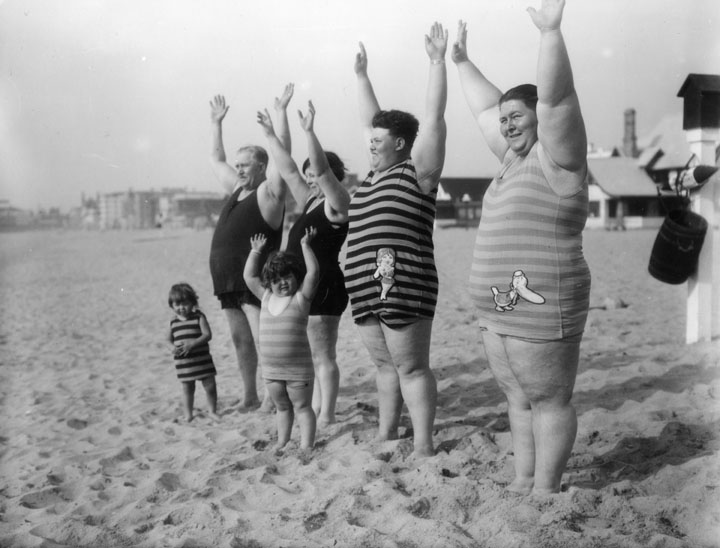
390 271
529 278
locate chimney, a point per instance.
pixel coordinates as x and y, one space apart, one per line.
630 139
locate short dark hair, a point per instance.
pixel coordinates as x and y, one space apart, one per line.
182 293
527 93
398 123
259 154
336 165
279 264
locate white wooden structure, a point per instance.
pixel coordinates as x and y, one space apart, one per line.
701 122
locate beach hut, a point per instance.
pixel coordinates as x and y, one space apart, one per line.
463 203
621 195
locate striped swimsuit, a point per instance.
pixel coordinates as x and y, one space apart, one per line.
198 364
529 277
284 347
390 259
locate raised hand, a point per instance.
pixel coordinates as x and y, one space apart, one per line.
257 242
459 52
218 108
436 42
307 121
549 16
265 122
282 102
361 61
310 233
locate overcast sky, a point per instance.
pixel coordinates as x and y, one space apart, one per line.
101 96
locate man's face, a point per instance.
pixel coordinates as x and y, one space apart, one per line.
250 172
385 149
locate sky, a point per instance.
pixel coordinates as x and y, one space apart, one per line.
102 96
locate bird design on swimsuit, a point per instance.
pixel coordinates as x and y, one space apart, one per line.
506 300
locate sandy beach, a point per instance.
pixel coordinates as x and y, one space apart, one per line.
95 452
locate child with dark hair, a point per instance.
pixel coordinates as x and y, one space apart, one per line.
189 336
286 288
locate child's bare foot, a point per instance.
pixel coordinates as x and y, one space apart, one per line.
387 436
521 486
279 447
267 406
544 492
323 421
422 452
189 418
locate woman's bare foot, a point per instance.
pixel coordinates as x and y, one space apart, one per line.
521 486
250 403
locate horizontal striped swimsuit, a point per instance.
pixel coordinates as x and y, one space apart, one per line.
284 347
390 259
529 277
198 364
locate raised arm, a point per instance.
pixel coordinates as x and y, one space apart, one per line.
561 129
276 187
337 198
251 273
368 103
218 161
428 154
481 95
284 164
312 270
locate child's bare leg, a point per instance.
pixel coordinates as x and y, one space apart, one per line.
188 398
301 393
284 410
211 393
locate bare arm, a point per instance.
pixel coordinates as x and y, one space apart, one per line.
276 188
170 340
337 198
186 346
429 151
368 103
218 161
312 274
481 95
285 165
205 333
561 129
251 273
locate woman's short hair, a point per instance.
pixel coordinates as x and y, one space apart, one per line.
279 264
182 293
399 124
527 93
337 166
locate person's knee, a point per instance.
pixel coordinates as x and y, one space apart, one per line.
324 364
414 370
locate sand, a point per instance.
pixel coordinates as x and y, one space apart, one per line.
95 451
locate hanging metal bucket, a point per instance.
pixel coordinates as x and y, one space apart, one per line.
677 246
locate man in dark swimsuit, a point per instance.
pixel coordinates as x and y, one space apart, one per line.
256 205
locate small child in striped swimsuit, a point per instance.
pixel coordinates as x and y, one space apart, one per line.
286 288
189 336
